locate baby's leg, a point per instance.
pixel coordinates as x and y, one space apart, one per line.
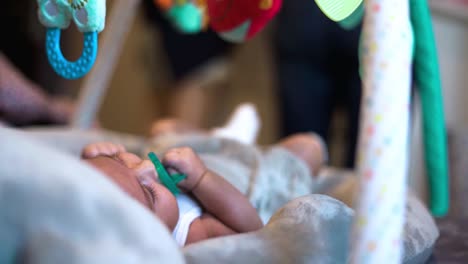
287 170
172 126
308 147
243 126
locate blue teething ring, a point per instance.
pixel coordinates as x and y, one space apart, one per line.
65 68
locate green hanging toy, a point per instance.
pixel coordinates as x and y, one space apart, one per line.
89 17
188 16
338 10
427 80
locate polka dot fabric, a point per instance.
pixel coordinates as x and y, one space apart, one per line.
386 48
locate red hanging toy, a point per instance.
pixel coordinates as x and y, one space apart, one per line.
240 20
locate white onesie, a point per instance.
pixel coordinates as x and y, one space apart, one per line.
189 210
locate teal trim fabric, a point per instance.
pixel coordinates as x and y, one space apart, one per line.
427 78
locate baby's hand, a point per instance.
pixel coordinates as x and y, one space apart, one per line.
186 161
101 149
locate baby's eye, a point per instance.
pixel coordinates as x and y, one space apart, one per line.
150 193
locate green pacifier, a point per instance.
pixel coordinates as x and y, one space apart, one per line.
170 181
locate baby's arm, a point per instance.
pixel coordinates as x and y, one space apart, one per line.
218 197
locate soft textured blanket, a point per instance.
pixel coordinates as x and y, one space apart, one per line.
56 209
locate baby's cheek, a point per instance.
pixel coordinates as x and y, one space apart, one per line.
174 216
167 208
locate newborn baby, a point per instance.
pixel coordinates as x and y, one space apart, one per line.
217 208
209 206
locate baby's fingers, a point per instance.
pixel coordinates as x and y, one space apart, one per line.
90 151
101 149
172 159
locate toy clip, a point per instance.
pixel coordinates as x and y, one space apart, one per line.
170 181
89 17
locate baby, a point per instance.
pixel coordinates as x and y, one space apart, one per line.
210 205
217 208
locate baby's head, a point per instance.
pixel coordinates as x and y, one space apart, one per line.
308 147
136 177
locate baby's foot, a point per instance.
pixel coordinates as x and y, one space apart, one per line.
309 147
243 125
170 126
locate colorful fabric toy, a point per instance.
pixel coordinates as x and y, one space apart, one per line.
427 82
427 79
233 20
89 17
338 10
240 20
187 16
386 53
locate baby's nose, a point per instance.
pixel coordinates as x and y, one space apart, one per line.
146 169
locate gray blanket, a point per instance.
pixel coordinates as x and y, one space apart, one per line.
56 209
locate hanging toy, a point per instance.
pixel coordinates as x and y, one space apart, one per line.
240 20
427 81
348 13
187 16
89 17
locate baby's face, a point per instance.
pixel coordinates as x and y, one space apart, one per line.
138 178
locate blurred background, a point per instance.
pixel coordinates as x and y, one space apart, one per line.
300 49
301 72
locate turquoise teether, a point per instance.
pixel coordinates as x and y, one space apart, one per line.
89 17
65 68
170 181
